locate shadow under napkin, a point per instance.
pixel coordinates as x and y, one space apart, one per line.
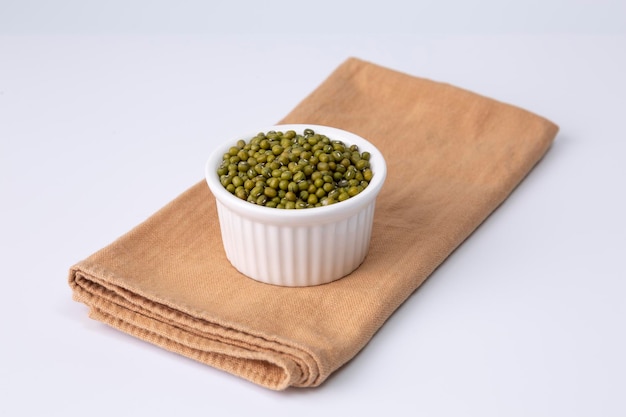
453 156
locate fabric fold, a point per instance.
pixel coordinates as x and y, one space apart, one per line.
453 157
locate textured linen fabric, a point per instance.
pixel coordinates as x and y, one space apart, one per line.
453 156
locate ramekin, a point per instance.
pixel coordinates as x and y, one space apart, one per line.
302 247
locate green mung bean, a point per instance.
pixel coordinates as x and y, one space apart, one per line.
288 170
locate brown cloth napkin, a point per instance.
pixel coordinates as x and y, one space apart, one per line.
453 156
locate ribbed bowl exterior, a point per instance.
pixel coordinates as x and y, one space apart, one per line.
296 256
297 247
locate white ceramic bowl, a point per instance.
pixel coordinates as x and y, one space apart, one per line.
297 247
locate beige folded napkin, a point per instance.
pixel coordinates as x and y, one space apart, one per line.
453 156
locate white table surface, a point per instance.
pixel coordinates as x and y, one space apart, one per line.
107 112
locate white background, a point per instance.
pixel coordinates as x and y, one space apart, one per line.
108 110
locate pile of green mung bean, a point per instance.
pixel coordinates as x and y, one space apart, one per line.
288 170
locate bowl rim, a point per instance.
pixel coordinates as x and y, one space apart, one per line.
309 215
